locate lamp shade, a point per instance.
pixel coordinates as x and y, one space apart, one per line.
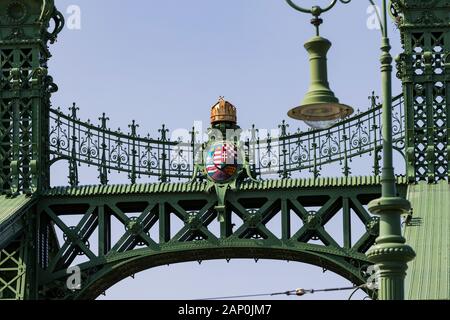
320 108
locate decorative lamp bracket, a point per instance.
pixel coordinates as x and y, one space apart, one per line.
316 11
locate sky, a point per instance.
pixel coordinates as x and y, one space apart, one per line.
159 61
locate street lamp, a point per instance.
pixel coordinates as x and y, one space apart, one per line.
320 109
390 253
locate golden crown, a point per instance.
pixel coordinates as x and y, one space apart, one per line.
223 111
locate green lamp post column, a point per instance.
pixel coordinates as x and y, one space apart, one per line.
390 253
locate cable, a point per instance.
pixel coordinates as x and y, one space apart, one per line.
356 289
350 298
297 292
237 297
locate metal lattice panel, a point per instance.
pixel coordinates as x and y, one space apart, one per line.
25 90
13 271
169 226
5 147
19 109
424 69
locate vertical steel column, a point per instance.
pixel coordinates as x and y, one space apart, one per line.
390 253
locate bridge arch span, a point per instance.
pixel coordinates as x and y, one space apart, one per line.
121 269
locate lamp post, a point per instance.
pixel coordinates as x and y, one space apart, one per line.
390 253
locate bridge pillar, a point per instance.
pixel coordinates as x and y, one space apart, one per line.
25 90
424 68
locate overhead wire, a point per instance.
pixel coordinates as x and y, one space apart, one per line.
297 292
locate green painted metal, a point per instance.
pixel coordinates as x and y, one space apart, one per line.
13 271
324 108
10 206
428 232
147 218
83 143
25 90
319 92
424 69
390 254
11 211
229 220
96 190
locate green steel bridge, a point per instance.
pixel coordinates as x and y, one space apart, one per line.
280 178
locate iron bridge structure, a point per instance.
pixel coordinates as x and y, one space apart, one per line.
278 206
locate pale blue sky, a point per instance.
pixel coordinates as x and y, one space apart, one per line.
160 61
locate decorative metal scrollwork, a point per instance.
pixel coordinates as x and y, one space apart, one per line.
58 18
278 155
316 10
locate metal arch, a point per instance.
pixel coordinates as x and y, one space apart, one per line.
57 159
252 204
115 272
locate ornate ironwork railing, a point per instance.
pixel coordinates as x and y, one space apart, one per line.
311 150
280 154
84 143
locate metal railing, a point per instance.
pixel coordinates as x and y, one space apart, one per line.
281 154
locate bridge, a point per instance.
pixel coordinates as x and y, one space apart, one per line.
172 210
